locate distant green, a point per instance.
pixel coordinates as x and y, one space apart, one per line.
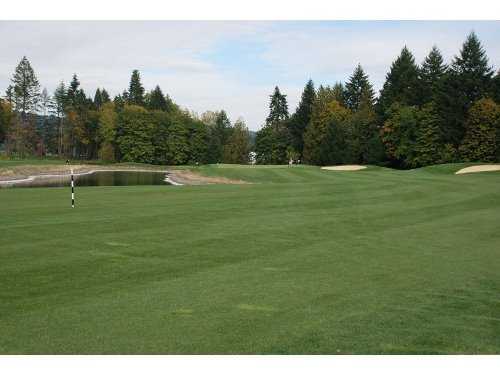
301 261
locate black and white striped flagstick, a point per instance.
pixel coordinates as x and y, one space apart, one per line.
72 187
72 190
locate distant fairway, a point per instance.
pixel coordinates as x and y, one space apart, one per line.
300 261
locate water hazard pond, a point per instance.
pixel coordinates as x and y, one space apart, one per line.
96 178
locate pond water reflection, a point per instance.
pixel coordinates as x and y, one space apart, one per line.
97 178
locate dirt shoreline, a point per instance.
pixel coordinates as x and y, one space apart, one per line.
188 177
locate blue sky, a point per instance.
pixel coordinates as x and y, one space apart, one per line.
233 65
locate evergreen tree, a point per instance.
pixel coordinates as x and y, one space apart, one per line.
136 90
272 144
357 87
495 88
60 100
119 102
73 89
472 70
60 103
339 94
432 71
105 97
482 137
401 84
468 80
98 99
25 89
264 141
237 149
156 100
9 95
301 118
45 102
278 108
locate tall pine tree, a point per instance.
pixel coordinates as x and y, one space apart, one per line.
432 72
468 79
156 100
495 87
136 90
25 88
98 98
278 108
72 94
402 84
357 87
105 96
472 71
301 118
273 139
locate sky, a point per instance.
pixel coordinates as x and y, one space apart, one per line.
230 65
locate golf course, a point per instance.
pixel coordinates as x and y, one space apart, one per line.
292 260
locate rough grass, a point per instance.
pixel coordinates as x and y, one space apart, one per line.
302 261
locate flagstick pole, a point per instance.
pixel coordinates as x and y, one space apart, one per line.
72 190
72 186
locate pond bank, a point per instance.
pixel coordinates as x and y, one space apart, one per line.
188 177
28 173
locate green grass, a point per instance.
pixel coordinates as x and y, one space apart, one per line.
7 163
302 261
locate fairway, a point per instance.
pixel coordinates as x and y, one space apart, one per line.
299 261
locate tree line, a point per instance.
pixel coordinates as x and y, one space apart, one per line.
134 126
425 114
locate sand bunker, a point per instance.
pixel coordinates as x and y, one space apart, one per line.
344 168
480 168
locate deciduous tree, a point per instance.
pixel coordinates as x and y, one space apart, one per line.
428 143
136 132
107 132
325 137
237 149
399 134
482 137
